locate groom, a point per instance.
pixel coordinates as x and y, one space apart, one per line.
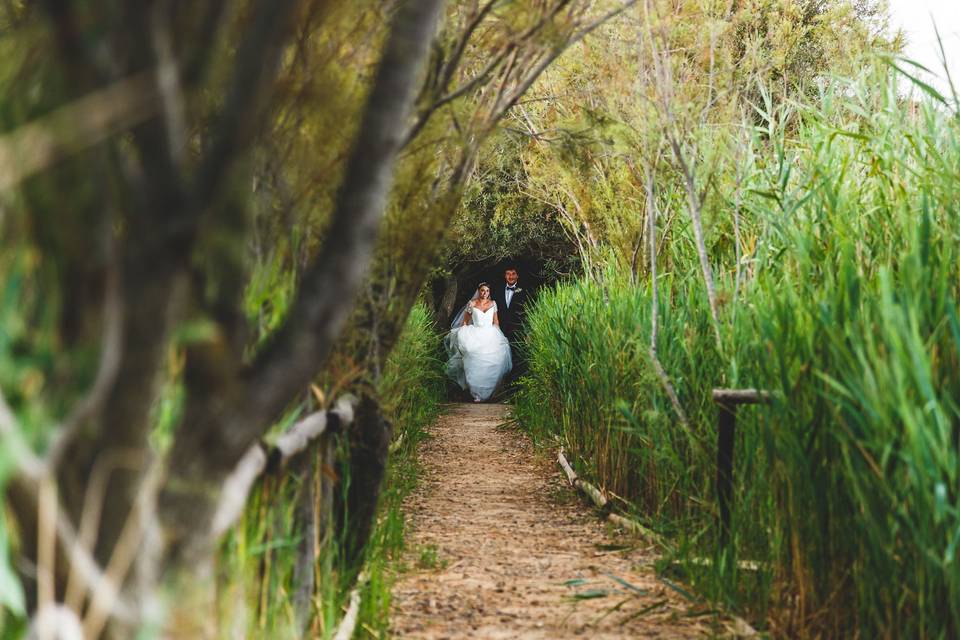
510 299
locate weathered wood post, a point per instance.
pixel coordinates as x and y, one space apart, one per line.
314 509
728 400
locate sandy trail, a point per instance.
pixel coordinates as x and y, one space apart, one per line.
500 547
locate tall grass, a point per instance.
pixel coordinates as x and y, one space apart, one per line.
412 387
257 563
848 485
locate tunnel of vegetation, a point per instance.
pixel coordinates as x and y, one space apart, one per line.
499 225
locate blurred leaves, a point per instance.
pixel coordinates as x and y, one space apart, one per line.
11 591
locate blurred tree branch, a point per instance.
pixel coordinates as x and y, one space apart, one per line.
216 436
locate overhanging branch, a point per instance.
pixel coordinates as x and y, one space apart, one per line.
330 285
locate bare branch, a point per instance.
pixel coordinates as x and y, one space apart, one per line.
537 71
694 204
34 484
664 76
424 116
40 144
47 508
257 63
24 494
104 599
237 488
451 66
301 434
654 301
168 80
509 51
648 184
95 494
196 59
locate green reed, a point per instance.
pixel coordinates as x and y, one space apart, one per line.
847 488
257 565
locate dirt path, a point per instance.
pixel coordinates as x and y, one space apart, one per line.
500 547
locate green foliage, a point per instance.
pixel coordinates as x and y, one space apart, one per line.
844 305
412 387
269 293
26 345
499 219
429 558
257 561
412 382
588 340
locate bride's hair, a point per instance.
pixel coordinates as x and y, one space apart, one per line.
483 284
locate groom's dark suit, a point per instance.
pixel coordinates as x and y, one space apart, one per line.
510 316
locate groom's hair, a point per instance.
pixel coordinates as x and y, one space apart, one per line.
511 267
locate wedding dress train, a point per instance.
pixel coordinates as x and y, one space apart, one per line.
479 354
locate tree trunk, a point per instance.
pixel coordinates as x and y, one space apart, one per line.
218 431
366 465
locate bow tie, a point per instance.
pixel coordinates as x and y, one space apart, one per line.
511 287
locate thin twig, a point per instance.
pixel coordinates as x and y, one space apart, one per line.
168 79
257 64
663 72
130 459
47 508
695 207
532 76
90 576
104 598
654 301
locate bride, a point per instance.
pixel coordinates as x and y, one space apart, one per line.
479 352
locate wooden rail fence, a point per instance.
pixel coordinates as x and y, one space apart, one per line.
728 400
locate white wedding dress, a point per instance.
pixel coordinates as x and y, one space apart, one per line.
479 354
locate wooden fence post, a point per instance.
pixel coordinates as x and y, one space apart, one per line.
304 576
728 400
726 426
